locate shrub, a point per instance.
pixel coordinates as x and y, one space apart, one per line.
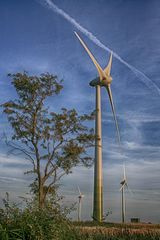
33 223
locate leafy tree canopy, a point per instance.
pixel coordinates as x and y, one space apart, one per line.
53 142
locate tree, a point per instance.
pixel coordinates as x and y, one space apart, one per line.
53 142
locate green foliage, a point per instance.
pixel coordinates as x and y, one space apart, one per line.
33 223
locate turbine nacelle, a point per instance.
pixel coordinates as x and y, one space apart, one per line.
80 194
123 182
105 82
95 82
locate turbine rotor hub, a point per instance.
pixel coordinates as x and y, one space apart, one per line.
106 81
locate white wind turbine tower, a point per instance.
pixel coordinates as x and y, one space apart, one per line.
104 80
80 196
122 189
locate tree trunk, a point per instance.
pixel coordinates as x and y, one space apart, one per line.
42 195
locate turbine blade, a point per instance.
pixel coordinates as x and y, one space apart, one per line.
130 191
121 187
114 113
124 171
99 69
79 191
107 70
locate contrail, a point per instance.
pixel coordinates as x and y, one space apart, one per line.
147 81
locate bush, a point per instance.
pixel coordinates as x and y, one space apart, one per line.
32 223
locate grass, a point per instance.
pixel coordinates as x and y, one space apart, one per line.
116 231
92 231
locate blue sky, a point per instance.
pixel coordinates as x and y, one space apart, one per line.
36 39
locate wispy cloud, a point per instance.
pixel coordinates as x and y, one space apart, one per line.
10 179
147 81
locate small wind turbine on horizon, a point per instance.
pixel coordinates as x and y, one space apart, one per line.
124 184
80 197
104 80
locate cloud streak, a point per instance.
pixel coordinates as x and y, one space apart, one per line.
147 81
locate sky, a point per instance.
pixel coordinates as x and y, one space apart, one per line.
35 38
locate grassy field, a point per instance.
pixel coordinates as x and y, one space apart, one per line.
84 231
113 231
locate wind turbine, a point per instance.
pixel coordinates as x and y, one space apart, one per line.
122 189
103 80
79 204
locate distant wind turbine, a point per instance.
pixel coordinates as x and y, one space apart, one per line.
124 184
80 196
104 80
